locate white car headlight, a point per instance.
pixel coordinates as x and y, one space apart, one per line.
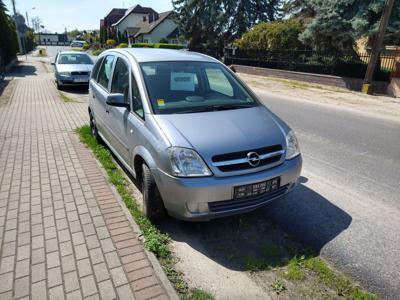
68 74
292 145
187 163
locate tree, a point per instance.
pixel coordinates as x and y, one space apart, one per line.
276 35
299 9
211 25
338 23
8 37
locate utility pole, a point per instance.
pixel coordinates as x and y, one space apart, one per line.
376 49
21 50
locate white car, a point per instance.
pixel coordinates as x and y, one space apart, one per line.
72 68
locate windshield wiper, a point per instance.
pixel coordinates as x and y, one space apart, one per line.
229 107
215 108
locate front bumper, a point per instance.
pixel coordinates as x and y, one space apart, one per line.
63 80
211 197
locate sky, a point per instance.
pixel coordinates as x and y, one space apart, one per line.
80 14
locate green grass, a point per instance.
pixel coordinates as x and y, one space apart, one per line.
197 294
341 284
295 269
67 99
278 286
154 240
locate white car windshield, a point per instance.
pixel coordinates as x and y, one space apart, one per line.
188 87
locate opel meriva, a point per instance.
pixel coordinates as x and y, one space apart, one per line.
196 137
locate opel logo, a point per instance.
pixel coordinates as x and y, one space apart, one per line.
253 158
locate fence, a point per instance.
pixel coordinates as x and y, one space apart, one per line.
346 65
44 43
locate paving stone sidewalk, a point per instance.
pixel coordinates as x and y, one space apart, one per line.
63 232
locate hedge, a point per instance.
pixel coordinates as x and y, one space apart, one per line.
158 45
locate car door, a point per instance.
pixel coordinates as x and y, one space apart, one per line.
118 116
100 92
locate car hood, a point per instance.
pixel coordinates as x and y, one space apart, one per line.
220 132
74 68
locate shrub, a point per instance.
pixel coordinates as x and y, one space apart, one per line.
111 42
169 46
122 45
97 52
143 45
274 35
86 46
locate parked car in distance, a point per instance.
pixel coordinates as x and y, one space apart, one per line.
72 68
196 137
77 44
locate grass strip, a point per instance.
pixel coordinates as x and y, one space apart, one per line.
154 240
67 99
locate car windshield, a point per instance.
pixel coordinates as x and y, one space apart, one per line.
74 59
190 87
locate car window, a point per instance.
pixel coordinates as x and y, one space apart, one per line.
74 59
96 69
187 87
105 71
137 105
218 82
120 83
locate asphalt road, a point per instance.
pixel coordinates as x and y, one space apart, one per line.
348 206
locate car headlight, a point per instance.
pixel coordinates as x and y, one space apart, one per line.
187 163
292 145
67 74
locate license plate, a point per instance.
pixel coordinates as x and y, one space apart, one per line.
256 189
81 80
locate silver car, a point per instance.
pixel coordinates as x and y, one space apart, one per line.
72 68
196 137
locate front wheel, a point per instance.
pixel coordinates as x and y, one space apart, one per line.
153 206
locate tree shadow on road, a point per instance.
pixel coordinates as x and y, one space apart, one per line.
302 222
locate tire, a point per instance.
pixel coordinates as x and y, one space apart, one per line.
152 206
59 86
93 129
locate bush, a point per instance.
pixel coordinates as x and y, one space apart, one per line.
111 42
86 46
158 45
273 36
143 45
8 39
122 45
169 46
97 52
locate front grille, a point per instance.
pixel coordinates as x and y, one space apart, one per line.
222 206
79 73
237 161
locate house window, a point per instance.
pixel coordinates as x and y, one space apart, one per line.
144 18
145 40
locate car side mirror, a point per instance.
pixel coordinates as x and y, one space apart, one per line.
117 100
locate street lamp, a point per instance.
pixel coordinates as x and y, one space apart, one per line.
26 13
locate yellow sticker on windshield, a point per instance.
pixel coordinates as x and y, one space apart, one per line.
160 102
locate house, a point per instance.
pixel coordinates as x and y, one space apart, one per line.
144 24
106 29
51 38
